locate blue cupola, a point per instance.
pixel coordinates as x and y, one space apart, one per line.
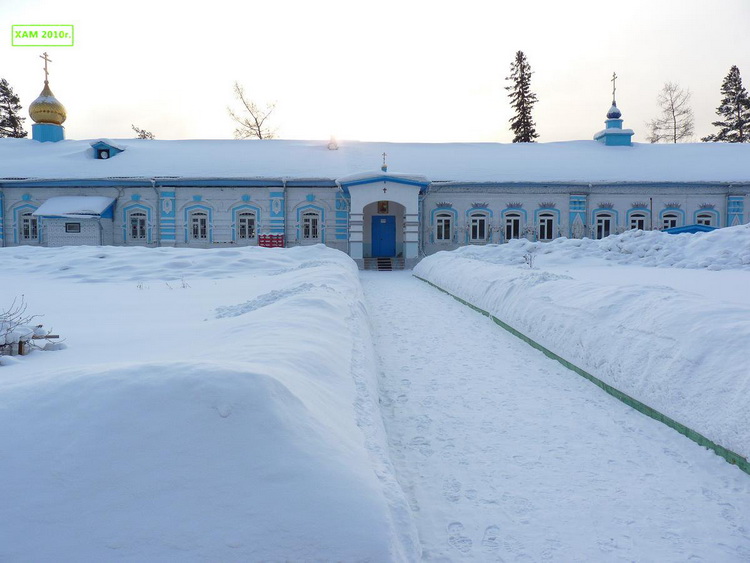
614 135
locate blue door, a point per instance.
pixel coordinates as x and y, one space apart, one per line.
383 236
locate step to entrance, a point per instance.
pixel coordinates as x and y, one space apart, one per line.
384 264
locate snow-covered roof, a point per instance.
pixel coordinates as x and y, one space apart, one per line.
571 161
74 206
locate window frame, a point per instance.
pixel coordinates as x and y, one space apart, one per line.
701 217
670 217
480 220
310 225
641 216
29 226
599 220
512 219
142 217
546 221
247 217
197 231
443 226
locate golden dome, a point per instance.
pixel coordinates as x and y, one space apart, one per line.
47 109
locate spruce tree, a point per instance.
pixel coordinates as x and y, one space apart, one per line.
735 109
522 100
11 123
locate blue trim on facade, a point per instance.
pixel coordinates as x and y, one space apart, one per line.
321 225
604 211
385 178
209 226
126 224
735 210
577 211
245 207
666 210
2 219
488 213
17 212
167 217
716 221
642 210
433 224
555 222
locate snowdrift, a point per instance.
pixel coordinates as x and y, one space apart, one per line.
683 354
240 423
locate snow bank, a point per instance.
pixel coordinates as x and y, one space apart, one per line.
722 249
680 353
239 423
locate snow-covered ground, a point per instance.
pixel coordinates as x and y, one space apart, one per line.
211 405
674 336
507 456
222 405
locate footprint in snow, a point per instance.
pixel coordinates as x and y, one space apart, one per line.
490 540
452 489
457 539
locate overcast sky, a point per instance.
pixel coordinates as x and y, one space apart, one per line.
391 70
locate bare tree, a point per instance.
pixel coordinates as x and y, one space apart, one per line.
252 120
676 121
142 133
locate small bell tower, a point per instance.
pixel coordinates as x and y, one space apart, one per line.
614 135
47 112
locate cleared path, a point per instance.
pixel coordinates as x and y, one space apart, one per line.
507 456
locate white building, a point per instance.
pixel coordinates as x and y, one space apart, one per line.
221 193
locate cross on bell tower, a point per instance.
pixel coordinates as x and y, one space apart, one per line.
46 71
384 167
614 87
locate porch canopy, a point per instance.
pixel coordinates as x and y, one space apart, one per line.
76 207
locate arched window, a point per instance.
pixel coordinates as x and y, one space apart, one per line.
311 225
546 226
198 225
604 224
669 220
512 225
246 225
705 219
443 225
29 226
137 225
478 227
638 221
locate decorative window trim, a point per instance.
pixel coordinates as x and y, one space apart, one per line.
18 212
514 213
126 222
707 211
604 213
671 211
640 214
189 210
484 215
441 218
546 213
245 208
301 210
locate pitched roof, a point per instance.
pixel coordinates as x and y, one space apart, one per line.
571 161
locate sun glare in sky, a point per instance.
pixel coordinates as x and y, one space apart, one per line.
390 71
